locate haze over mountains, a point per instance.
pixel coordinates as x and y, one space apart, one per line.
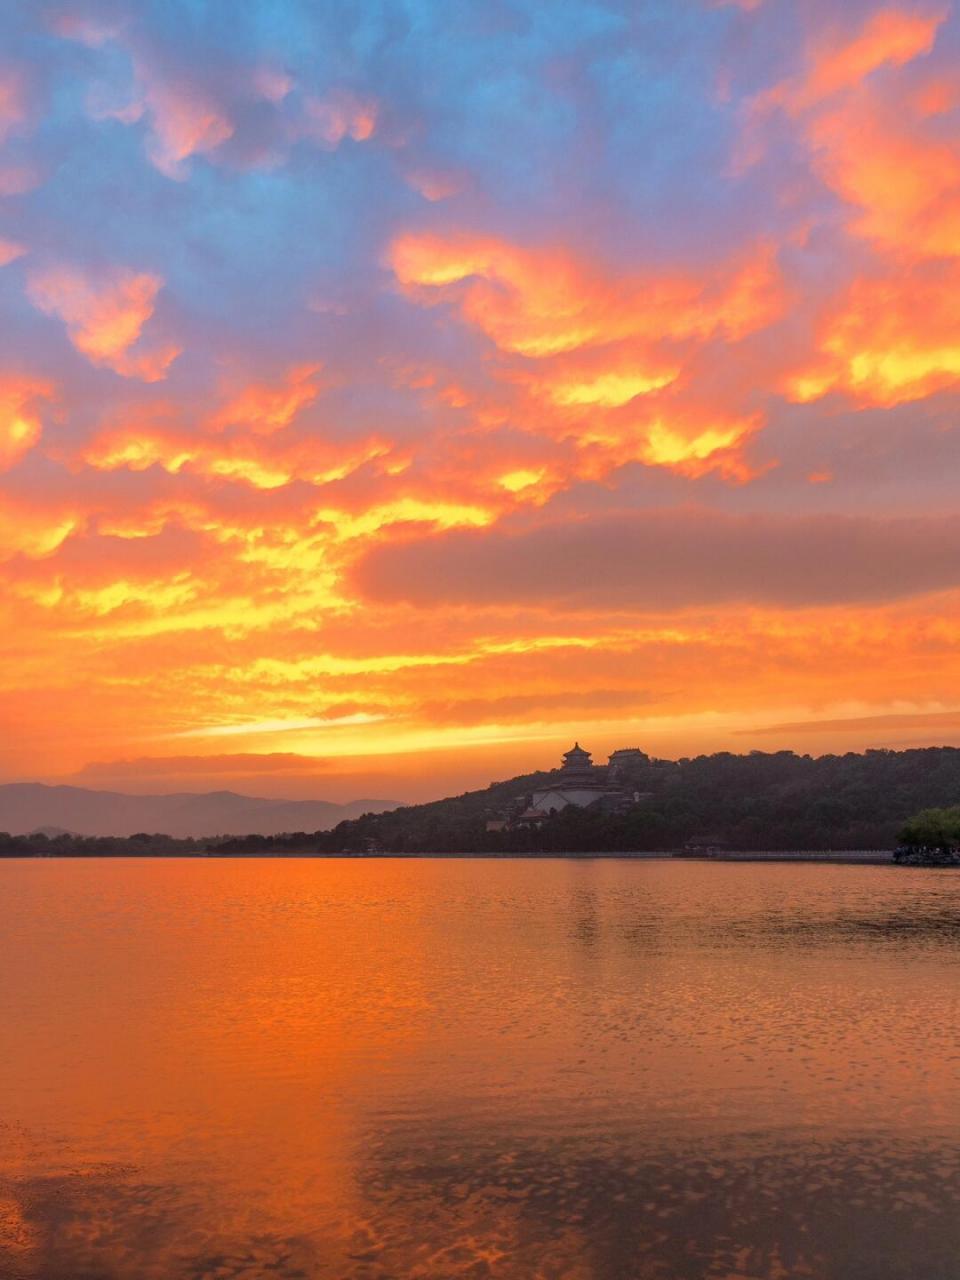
27 806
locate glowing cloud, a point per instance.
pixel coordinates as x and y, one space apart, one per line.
611 389
889 339
27 531
147 444
539 303
292 725
591 345
668 445
20 424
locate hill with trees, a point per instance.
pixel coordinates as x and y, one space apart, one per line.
762 800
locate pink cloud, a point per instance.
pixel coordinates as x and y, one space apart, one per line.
185 122
184 118
271 84
190 112
339 115
103 103
93 30
17 180
10 251
435 184
13 100
105 318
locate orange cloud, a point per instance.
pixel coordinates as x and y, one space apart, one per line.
693 445
605 359
872 142
264 409
138 447
888 339
540 303
608 382
105 318
905 180
20 424
29 530
888 37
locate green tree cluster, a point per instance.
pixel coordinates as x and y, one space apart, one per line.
931 836
36 844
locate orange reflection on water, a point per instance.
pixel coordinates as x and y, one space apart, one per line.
241 1068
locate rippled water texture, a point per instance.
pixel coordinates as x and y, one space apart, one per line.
387 1068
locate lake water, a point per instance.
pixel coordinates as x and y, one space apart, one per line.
362 1070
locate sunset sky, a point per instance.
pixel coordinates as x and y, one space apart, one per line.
391 392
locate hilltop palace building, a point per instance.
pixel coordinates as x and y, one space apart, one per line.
581 783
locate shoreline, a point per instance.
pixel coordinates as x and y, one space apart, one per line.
847 857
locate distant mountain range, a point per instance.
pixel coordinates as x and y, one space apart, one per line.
29 806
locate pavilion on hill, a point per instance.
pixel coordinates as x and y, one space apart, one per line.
578 782
578 766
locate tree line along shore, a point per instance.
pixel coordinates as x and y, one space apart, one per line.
757 802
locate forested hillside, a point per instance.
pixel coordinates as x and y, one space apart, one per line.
776 800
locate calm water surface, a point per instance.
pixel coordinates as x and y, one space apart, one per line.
390 1069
